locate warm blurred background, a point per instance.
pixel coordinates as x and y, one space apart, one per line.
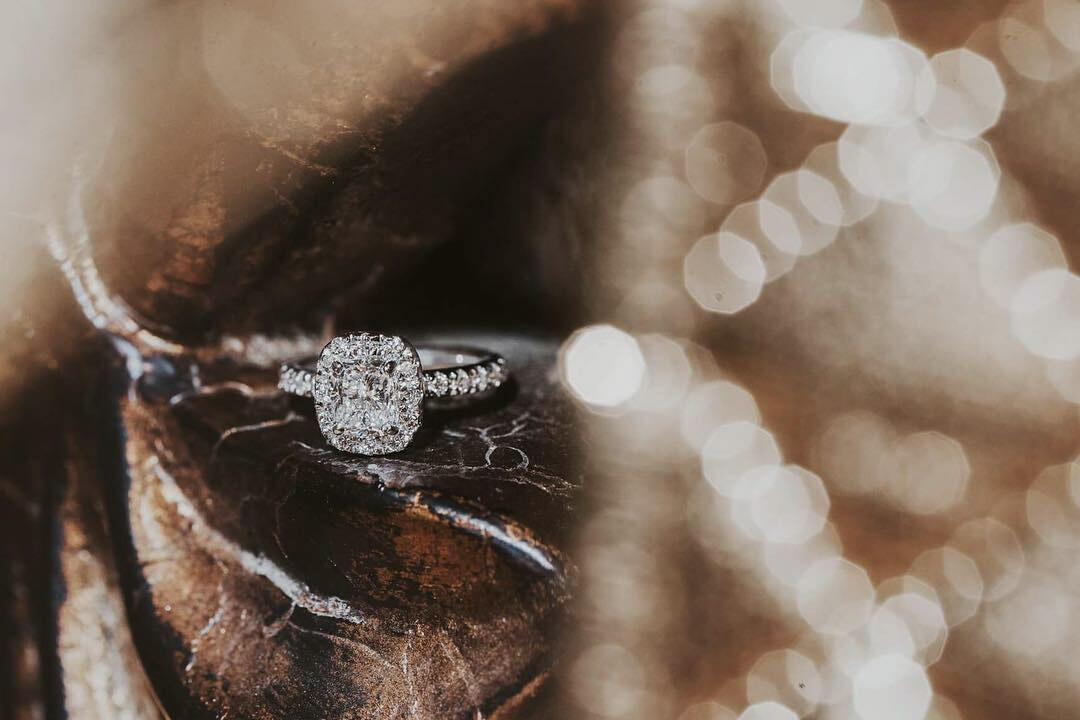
807 264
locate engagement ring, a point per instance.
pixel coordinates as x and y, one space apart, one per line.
369 389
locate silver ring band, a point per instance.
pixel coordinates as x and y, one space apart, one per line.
369 389
449 371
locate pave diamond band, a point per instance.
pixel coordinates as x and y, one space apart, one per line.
452 372
369 389
296 380
466 378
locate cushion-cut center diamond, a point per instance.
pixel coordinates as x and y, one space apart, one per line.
366 398
368 393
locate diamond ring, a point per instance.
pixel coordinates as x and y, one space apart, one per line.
369 389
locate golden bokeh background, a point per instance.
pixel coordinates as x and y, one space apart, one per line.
836 395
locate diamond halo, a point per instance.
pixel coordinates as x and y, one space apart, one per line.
369 389
368 393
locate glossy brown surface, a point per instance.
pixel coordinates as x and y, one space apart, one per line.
269 575
211 551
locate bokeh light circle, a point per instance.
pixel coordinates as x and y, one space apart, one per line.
786 562
1052 506
725 162
1045 312
745 221
723 273
856 77
996 550
1064 375
892 687
960 94
927 472
834 596
942 708
780 504
824 161
1032 620
787 677
877 161
768 711
708 710
602 366
952 185
1063 21
786 219
734 449
712 404
1012 254
924 621
667 374
955 578
850 451
1029 46
888 633
782 68
607 680
822 13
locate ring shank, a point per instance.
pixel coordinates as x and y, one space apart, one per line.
451 358
448 371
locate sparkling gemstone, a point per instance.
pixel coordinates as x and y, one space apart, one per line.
459 382
438 384
367 393
480 379
496 374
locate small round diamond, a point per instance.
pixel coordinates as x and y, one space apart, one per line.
438 384
459 382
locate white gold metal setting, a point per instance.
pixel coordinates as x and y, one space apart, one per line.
369 389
